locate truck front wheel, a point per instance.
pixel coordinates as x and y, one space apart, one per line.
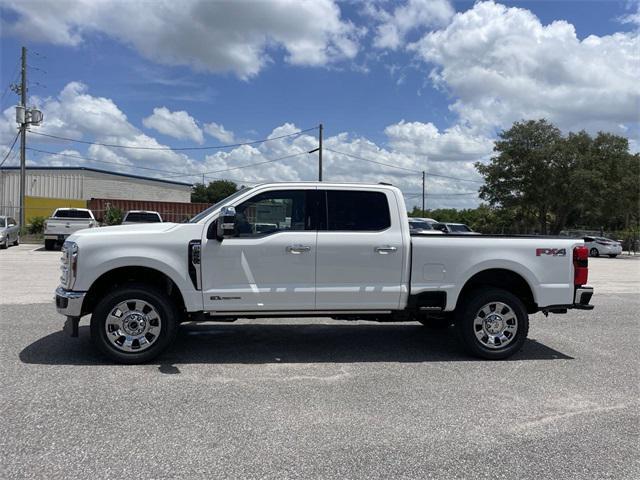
134 323
492 323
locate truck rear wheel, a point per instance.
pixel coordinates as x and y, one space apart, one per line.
492 323
49 244
134 323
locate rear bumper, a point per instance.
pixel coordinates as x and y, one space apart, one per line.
55 236
581 299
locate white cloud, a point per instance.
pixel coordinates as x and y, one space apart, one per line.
75 113
394 27
218 132
503 65
207 35
178 125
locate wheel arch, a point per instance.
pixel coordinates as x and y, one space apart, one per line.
135 273
504 279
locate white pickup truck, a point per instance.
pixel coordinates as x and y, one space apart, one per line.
65 222
310 250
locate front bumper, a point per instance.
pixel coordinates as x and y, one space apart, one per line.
69 302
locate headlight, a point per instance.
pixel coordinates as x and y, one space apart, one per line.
69 264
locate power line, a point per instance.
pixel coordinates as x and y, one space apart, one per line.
13 144
174 173
256 164
373 161
403 168
175 149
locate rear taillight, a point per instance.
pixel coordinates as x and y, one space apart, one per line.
580 265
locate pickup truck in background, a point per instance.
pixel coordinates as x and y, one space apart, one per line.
314 249
64 222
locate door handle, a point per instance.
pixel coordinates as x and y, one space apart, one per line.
298 249
386 249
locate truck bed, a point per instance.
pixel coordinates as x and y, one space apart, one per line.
444 263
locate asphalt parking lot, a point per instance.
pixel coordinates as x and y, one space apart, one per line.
316 398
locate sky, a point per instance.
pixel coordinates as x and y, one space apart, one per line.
400 87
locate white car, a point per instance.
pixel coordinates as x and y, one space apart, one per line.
324 255
141 216
419 225
602 246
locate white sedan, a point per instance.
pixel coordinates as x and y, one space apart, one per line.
602 246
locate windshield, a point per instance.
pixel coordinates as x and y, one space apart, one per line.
2 223
459 228
420 224
215 206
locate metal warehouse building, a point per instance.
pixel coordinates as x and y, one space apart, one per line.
52 187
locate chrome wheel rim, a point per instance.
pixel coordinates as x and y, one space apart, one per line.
133 326
495 325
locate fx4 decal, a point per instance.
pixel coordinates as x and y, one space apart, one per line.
216 297
553 252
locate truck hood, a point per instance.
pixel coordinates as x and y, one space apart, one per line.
138 229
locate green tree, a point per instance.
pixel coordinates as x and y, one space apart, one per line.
113 215
214 192
522 173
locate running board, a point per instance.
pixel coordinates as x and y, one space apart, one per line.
315 313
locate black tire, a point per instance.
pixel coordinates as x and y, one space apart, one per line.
594 252
17 242
613 256
49 244
467 312
4 245
165 308
436 323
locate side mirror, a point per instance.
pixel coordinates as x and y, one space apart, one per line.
226 223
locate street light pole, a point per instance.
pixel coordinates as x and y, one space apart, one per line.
23 136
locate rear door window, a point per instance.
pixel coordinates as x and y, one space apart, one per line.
350 211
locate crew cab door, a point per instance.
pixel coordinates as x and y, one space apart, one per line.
270 262
360 251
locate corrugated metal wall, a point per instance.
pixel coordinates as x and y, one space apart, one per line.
170 211
83 185
39 183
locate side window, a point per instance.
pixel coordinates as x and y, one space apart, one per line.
357 211
272 212
12 222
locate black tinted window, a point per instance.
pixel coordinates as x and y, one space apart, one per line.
357 211
272 212
72 214
459 228
142 217
2 224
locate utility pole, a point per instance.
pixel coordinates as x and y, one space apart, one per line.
23 136
320 153
423 193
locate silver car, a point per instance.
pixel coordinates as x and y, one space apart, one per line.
9 232
602 246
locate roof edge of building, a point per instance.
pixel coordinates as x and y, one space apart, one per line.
97 170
